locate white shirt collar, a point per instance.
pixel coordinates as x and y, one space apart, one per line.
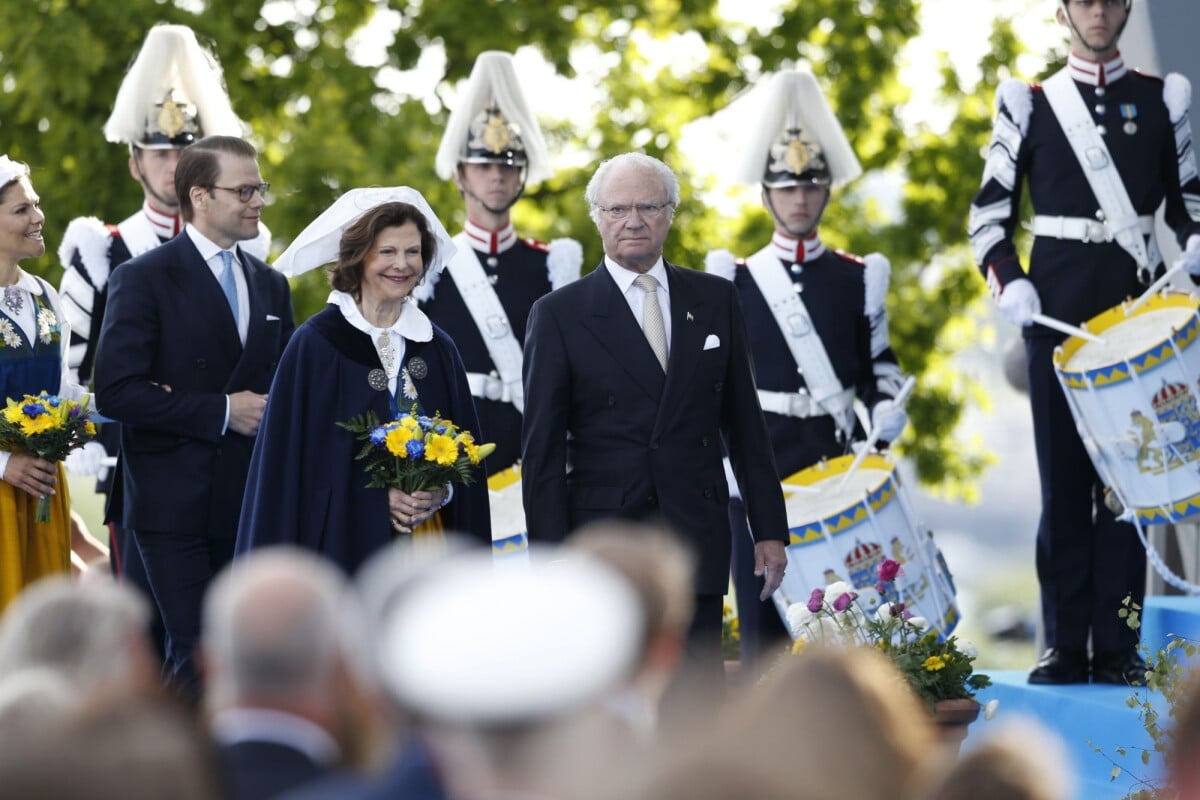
795 250
412 324
207 247
232 726
489 241
625 277
1096 73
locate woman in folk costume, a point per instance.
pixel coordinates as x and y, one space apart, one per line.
370 349
32 332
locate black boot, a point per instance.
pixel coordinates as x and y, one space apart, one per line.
1122 667
1060 665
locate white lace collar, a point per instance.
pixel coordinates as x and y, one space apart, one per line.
412 324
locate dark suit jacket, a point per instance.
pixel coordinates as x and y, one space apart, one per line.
258 770
641 444
167 323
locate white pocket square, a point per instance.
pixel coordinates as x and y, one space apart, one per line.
272 318
712 342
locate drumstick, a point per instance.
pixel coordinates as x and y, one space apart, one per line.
1154 287
900 399
1062 327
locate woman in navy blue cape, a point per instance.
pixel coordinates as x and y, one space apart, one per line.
304 486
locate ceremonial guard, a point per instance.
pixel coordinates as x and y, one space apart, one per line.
815 317
1101 147
492 149
172 95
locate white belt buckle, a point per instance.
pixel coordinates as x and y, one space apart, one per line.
1097 232
798 405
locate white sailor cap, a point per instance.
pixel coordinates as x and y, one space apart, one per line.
798 139
319 242
172 95
479 643
492 123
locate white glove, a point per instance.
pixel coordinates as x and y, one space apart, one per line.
86 460
889 419
1019 302
1191 255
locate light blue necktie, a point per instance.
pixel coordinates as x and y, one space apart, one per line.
229 284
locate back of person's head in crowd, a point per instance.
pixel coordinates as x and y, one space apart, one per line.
499 661
95 634
1019 760
137 747
1183 759
33 701
805 713
660 568
276 626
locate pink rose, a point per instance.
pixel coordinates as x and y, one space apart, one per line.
815 600
888 570
843 601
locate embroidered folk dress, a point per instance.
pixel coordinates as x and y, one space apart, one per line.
31 361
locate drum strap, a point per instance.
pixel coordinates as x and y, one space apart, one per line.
1099 169
138 234
806 347
490 318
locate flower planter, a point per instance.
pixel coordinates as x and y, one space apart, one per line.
951 718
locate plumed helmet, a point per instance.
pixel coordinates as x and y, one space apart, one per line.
492 123
172 95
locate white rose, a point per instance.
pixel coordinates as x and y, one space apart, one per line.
968 648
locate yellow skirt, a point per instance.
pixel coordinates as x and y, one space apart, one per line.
30 550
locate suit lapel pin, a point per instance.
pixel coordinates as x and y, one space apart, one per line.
689 316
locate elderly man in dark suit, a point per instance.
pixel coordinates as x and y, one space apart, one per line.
191 336
634 375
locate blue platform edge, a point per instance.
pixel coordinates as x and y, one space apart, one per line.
1095 722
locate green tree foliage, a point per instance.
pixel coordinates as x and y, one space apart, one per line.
325 122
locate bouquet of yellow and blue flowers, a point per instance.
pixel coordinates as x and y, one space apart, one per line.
416 453
46 426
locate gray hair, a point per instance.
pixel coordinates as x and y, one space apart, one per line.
83 630
33 699
272 627
639 160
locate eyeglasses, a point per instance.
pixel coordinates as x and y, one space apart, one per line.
244 193
644 210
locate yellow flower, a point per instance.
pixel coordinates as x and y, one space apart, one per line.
398 438
410 423
441 449
89 428
13 413
465 438
472 451
32 425
934 663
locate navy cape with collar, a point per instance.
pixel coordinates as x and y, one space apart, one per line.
304 487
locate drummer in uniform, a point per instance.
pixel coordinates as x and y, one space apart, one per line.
1101 148
815 317
172 95
492 148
